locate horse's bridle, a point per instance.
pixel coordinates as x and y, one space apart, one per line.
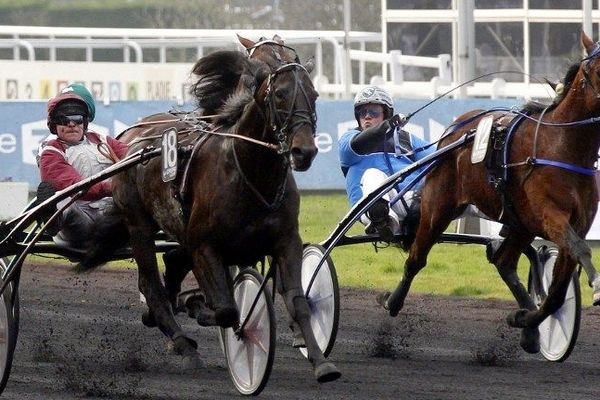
263 41
283 127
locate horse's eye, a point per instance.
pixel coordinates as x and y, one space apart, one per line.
279 93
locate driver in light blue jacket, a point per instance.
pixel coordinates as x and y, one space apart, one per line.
373 151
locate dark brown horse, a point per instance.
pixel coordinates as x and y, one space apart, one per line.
241 203
548 191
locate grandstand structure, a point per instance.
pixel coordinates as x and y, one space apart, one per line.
419 53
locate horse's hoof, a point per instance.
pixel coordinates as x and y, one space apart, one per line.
596 299
516 318
192 361
530 340
298 342
596 292
382 300
206 318
148 319
327 372
227 317
183 345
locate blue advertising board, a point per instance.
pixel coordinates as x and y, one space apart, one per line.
24 126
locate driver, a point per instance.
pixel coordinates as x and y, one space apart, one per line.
77 153
377 148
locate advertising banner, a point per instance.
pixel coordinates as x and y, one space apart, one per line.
24 126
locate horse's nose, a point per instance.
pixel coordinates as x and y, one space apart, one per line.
302 156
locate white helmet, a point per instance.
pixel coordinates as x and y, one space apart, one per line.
374 95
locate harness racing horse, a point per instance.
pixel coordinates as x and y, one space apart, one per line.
240 201
549 191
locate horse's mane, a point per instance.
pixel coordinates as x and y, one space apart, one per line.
536 107
217 75
233 108
218 90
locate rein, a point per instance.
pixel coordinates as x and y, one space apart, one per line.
212 132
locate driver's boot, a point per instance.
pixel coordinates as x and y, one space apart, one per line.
381 220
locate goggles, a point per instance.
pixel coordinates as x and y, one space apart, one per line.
373 113
64 120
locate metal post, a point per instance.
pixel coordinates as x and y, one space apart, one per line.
384 47
348 63
466 43
586 7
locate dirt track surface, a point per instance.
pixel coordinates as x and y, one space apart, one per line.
81 337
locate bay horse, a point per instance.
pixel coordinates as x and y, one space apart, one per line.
548 191
241 202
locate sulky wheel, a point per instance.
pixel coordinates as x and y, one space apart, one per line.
250 351
9 326
323 298
558 332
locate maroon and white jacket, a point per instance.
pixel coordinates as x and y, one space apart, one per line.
64 164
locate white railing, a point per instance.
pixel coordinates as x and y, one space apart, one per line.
396 61
29 78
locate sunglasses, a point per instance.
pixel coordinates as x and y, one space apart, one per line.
362 113
64 120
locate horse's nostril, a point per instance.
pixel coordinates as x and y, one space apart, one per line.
304 152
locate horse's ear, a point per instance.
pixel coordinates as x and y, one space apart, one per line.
587 43
309 65
247 43
278 39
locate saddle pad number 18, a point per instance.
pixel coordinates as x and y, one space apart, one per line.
482 137
169 155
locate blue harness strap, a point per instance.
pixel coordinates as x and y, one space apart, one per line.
539 161
564 165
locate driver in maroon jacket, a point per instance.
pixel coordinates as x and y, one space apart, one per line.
90 223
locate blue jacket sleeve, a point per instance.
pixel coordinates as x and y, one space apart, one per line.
348 156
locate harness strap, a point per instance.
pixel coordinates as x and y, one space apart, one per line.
563 165
183 185
278 199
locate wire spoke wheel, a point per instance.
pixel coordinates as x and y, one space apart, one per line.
250 352
9 326
323 298
558 332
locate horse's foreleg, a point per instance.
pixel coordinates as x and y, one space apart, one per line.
289 262
216 282
506 259
563 270
429 229
150 284
583 254
571 250
178 263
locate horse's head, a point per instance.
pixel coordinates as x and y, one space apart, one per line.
589 72
288 98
